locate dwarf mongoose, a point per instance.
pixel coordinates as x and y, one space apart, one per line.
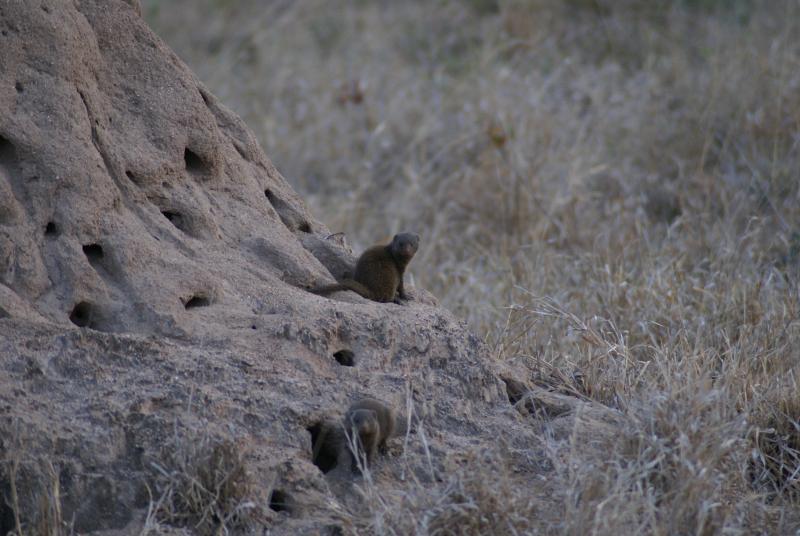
368 424
379 271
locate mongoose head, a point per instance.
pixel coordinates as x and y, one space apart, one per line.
364 422
404 246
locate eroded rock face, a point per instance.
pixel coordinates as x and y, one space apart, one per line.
152 273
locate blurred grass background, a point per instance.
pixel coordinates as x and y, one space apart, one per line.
606 190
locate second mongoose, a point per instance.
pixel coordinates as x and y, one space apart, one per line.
368 424
379 271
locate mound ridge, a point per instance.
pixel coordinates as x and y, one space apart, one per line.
153 318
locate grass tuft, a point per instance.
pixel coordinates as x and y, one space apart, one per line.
201 484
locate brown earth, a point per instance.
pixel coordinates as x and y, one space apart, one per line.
155 333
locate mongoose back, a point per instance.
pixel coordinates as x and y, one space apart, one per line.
379 271
368 424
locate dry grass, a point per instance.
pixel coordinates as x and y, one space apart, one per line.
466 503
606 189
200 484
32 481
474 493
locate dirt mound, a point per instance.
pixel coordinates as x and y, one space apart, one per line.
130 195
162 362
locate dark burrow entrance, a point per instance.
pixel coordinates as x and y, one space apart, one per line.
197 301
94 253
175 218
326 441
81 314
7 518
346 358
279 501
194 164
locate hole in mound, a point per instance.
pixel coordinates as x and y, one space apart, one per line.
50 229
132 177
206 98
8 153
516 392
279 501
197 301
4 314
346 358
18 87
288 215
93 252
194 164
334 530
175 218
7 522
81 314
326 441
253 327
